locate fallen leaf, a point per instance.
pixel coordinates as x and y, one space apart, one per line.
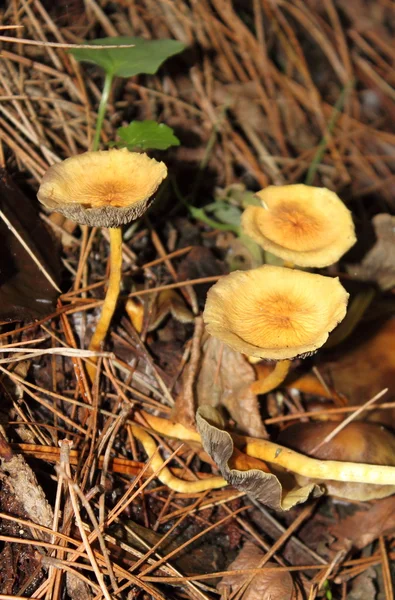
169 302
76 588
24 486
362 586
204 556
266 487
366 524
379 263
223 380
374 365
25 293
266 584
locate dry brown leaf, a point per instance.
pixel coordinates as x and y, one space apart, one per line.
366 524
362 586
169 302
379 263
365 370
266 487
76 588
24 485
267 584
223 379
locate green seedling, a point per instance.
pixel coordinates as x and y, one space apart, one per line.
143 56
146 135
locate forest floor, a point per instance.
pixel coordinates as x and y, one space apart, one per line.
265 93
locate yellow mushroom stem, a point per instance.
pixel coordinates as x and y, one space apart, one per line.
290 460
273 380
164 474
110 301
314 468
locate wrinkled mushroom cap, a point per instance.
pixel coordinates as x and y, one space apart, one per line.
358 442
274 312
308 226
107 188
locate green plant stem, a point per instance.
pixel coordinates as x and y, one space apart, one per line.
102 110
200 215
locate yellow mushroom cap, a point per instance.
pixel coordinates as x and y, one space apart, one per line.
306 225
274 312
106 188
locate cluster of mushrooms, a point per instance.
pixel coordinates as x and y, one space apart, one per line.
279 313
271 312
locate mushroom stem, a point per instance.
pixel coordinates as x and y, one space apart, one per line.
164 474
273 380
292 461
314 468
110 301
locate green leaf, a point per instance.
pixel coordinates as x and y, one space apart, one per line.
147 134
227 214
146 56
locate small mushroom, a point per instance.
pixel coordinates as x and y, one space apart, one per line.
274 313
303 225
358 442
106 188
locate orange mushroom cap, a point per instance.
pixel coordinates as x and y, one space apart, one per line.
274 312
106 188
306 225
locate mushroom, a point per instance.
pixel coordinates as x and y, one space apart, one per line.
274 313
303 225
357 442
107 188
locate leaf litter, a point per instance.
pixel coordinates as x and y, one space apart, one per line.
251 101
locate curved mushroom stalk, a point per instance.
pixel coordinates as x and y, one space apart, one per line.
273 380
373 480
358 441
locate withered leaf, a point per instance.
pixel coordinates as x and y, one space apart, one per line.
379 263
266 584
23 483
366 524
77 589
265 487
228 384
375 365
25 293
362 586
221 378
169 302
